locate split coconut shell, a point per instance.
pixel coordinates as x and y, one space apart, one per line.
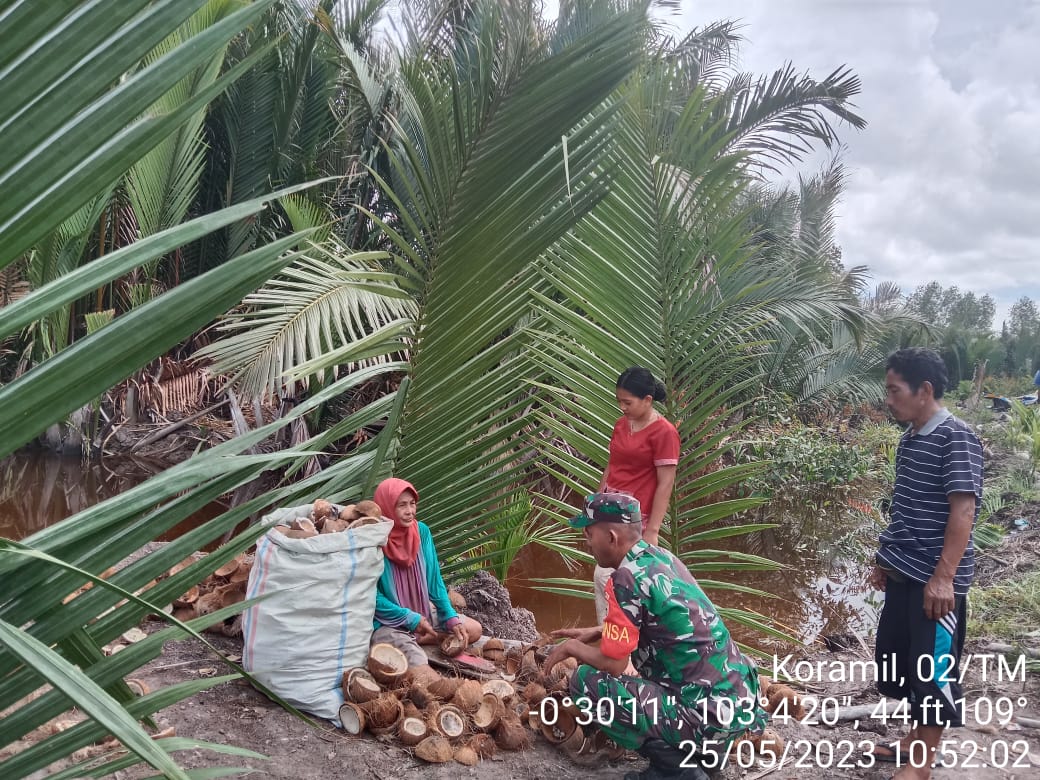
359 686
188 598
448 721
333 525
560 729
412 730
349 513
353 718
387 664
435 749
574 743
489 713
502 689
452 645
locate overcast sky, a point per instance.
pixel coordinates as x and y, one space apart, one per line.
944 182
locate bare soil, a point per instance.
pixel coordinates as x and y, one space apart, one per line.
236 714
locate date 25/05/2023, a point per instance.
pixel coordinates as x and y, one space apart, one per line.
850 754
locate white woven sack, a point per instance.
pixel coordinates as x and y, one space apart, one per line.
318 621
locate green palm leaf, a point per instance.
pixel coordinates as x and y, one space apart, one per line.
326 299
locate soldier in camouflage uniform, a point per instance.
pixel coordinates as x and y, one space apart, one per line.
696 692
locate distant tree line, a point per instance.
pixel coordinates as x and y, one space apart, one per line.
960 326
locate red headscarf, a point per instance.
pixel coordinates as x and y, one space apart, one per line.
402 547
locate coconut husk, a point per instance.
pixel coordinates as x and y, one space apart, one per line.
489 713
598 742
510 735
410 710
467 696
466 756
451 645
207 603
533 694
359 686
422 697
383 712
188 598
483 745
444 687
502 689
368 508
321 509
184 614
282 529
303 524
449 721
353 718
779 694
530 669
435 749
458 601
494 643
475 651
387 664
333 525
349 513
766 744
304 534
495 656
412 730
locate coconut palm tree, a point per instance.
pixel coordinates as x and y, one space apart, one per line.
78 118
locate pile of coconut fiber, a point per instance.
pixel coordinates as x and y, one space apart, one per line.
487 602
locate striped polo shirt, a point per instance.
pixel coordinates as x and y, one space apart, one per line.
943 457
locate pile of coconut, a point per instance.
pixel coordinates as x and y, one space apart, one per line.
225 586
445 718
327 518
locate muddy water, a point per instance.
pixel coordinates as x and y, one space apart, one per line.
820 591
40 489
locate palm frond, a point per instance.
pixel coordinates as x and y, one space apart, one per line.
327 299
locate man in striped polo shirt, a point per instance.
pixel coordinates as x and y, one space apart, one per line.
926 559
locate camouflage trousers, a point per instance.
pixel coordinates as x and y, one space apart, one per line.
640 709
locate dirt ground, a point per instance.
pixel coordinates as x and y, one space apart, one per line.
236 714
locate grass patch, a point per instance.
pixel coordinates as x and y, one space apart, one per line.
1008 611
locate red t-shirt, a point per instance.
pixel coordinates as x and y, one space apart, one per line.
634 458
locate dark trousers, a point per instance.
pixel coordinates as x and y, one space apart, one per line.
919 659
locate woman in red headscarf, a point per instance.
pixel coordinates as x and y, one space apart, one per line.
412 581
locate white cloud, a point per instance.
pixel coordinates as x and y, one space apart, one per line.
943 179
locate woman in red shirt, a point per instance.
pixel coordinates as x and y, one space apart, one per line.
644 454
